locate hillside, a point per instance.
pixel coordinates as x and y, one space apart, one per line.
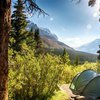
51 44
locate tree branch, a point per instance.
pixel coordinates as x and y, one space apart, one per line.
90 2
32 7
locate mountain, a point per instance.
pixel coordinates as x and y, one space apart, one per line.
91 47
51 44
47 33
43 31
49 39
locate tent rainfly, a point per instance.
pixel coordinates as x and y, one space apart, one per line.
86 83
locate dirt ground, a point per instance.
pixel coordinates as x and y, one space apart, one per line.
65 88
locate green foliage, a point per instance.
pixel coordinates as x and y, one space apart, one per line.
99 54
30 39
65 57
33 77
77 61
38 42
37 78
19 23
98 66
19 35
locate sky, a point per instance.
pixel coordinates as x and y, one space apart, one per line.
74 24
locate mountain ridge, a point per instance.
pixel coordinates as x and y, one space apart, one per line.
91 47
49 39
51 43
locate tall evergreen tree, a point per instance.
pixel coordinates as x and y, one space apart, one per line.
98 57
30 39
37 39
19 23
76 61
65 57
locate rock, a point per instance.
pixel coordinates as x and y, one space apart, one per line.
80 98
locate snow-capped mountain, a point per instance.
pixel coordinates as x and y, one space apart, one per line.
43 31
91 47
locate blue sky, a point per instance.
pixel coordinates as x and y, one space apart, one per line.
74 24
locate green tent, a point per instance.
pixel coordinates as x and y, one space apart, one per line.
86 83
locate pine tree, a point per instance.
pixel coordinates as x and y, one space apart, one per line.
99 54
19 23
30 39
77 61
65 57
37 39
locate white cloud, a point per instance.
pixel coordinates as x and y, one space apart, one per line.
51 19
89 26
95 14
76 41
72 41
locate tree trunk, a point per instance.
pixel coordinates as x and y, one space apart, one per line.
5 21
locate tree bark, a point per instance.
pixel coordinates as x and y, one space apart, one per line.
5 21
